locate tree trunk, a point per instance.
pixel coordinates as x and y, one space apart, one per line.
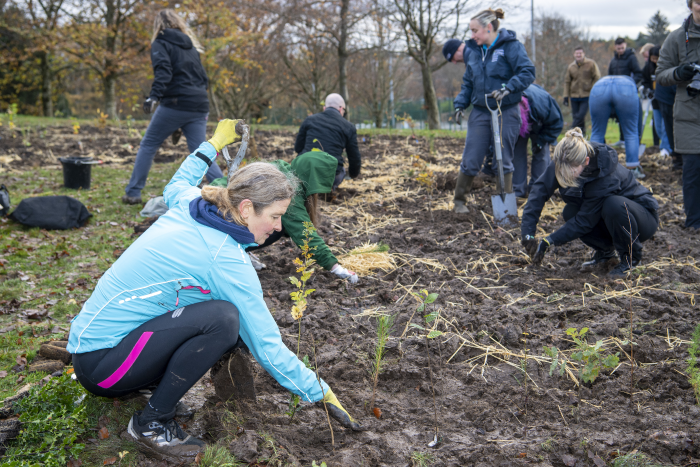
46 85
109 83
431 104
343 54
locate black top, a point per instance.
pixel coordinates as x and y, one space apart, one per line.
332 134
626 65
179 79
602 177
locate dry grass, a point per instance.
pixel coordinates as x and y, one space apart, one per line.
367 258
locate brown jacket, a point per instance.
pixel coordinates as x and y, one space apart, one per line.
581 78
686 110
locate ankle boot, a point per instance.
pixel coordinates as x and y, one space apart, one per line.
508 180
464 186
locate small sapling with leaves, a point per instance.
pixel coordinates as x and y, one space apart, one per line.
304 268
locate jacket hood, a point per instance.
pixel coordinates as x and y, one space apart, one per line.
603 162
316 170
504 35
175 37
207 214
626 54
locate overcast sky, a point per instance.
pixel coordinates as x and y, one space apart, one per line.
604 18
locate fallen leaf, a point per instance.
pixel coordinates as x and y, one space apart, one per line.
103 421
20 379
21 359
72 302
103 433
522 454
110 461
377 412
198 457
569 461
3 374
74 463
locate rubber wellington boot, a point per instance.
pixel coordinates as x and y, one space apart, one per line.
508 179
464 186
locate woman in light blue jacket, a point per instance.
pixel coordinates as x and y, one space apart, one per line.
183 294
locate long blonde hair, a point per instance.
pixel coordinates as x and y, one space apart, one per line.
168 19
489 16
570 153
260 182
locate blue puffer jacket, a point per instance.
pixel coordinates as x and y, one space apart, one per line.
178 256
545 115
505 62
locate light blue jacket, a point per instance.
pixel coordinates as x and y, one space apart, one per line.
176 252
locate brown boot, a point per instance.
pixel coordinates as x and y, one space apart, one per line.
464 186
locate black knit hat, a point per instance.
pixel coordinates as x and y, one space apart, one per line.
450 48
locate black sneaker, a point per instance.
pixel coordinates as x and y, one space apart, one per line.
599 257
164 441
624 267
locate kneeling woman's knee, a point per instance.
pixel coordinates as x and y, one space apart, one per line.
226 314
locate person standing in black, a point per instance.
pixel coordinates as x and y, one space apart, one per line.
178 97
329 132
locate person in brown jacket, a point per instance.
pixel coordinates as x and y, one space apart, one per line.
581 75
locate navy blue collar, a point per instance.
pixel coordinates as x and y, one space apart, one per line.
207 214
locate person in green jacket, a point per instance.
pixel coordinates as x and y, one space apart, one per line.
316 170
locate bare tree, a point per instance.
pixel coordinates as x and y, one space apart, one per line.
422 21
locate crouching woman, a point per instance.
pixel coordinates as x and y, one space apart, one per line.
184 293
606 207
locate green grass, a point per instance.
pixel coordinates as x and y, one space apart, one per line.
60 270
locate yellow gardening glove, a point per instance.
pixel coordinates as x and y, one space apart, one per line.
225 134
337 411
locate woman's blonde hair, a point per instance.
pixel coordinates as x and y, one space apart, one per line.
489 16
168 19
260 182
570 153
646 47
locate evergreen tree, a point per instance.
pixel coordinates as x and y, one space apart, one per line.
657 30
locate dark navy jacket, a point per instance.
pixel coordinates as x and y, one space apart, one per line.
545 115
179 79
505 62
602 178
625 65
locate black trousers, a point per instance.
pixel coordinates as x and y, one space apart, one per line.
691 190
579 109
173 350
613 230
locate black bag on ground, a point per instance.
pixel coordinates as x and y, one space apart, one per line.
51 212
4 201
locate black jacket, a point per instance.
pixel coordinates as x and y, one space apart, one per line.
179 79
626 65
603 177
665 94
332 134
545 115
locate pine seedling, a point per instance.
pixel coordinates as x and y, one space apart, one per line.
384 325
304 268
693 370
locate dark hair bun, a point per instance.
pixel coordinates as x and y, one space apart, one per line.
499 13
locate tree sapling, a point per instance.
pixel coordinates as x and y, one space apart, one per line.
384 325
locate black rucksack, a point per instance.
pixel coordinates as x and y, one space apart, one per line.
51 212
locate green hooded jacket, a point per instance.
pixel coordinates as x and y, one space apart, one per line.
316 171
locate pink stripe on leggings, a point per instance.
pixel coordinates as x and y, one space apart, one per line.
126 366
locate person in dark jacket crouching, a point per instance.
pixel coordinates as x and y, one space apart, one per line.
331 133
499 67
541 124
180 87
606 207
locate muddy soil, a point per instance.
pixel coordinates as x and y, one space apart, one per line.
494 407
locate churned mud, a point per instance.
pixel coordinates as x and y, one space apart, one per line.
496 401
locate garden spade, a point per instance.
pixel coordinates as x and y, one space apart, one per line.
505 208
232 164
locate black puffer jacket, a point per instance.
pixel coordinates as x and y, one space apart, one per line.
603 177
179 79
625 65
333 134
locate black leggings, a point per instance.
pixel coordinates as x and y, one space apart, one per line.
174 350
612 231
